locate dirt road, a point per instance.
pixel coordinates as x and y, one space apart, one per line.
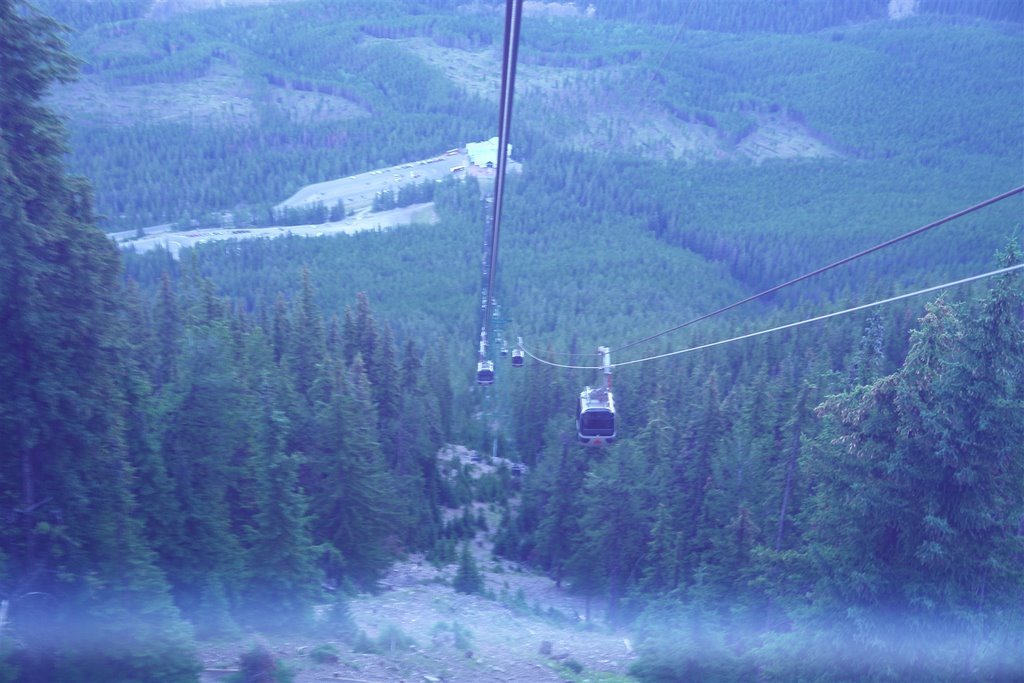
382 220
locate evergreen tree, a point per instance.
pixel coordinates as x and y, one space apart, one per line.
661 571
167 330
138 329
560 521
282 331
694 473
211 613
349 342
89 602
307 346
468 578
416 437
351 495
365 333
793 447
334 340
259 666
927 462
535 407
282 580
338 211
385 377
439 384
209 307
615 521
339 621
411 367
203 430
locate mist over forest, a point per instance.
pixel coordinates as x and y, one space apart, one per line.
253 441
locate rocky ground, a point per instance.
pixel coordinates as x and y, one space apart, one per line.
524 628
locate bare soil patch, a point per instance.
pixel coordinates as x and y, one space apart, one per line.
166 8
655 134
223 96
778 137
220 96
479 71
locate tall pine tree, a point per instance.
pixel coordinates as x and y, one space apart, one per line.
926 463
88 602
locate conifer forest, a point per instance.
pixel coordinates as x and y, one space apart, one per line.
241 439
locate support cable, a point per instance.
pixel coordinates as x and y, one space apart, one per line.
513 21
646 97
834 264
664 55
826 316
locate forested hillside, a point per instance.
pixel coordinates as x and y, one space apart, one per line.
239 441
230 109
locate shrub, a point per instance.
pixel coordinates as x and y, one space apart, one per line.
338 619
324 654
364 644
443 552
259 666
393 638
463 636
468 579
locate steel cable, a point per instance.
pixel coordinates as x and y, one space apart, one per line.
779 328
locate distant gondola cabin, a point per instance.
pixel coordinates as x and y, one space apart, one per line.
485 372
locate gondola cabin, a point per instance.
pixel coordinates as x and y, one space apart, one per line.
485 372
595 417
517 358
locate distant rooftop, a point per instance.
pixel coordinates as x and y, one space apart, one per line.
485 153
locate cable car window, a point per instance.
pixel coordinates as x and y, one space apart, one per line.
598 423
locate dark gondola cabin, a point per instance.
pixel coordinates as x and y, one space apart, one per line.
517 358
485 372
595 417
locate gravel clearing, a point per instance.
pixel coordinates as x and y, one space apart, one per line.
525 629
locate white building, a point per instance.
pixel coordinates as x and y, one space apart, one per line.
485 154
